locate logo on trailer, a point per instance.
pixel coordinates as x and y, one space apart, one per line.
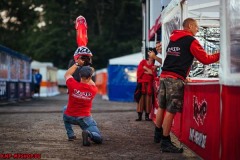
200 111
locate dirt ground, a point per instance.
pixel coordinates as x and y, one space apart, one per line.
35 128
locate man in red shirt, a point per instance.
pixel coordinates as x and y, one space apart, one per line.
181 50
78 110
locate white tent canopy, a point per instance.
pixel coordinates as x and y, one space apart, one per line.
60 77
205 11
49 78
204 8
132 59
37 64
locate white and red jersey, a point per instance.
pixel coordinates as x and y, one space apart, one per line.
81 29
80 98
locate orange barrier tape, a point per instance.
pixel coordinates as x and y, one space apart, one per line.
48 84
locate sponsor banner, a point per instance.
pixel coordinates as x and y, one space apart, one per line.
21 90
230 132
3 90
200 130
12 91
27 90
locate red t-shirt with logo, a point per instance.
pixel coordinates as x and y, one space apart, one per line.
80 98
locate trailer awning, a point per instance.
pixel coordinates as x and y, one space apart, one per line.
206 12
155 28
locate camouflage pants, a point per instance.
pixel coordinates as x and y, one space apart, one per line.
171 94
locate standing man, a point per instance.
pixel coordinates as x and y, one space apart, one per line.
153 55
181 50
37 82
156 54
78 110
158 59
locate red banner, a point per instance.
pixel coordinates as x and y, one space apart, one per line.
230 130
199 126
201 120
156 85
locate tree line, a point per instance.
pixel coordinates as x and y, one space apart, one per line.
45 30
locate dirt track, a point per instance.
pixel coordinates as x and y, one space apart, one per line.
36 127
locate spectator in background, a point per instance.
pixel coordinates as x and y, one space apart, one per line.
145 76
157 56
37 82
33 83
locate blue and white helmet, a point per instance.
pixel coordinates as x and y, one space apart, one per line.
82 51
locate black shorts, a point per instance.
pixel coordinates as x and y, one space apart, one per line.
36 88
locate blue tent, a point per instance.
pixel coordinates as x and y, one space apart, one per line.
122 78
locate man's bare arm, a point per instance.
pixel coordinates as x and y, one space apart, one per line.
152 55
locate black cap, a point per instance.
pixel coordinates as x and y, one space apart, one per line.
86 71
